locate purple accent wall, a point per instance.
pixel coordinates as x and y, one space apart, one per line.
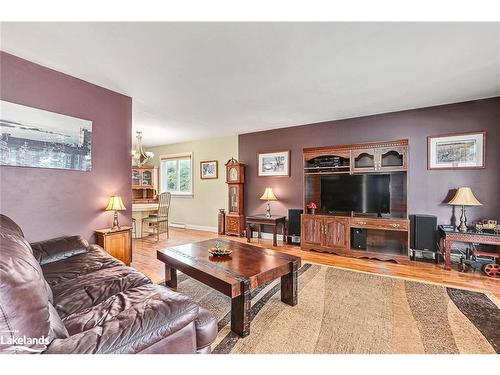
427 190
48 203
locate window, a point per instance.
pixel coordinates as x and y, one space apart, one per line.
177 174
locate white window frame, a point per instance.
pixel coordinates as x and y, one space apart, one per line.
164 185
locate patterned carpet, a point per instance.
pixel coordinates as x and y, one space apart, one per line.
342 311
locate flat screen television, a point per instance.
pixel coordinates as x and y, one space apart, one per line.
367 193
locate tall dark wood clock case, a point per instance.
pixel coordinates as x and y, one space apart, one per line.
235 178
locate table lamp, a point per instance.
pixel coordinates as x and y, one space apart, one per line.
115 204
268 196
464 197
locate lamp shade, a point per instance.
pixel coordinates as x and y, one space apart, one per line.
268 195
464 197
115 204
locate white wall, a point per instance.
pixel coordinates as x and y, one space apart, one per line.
200 210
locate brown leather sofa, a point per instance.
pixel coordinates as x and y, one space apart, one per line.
66 296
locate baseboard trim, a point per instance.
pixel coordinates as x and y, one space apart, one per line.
202 227
266 236
177 225
194 227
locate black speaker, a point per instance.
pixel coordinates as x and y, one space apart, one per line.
358 238
294 225
423 231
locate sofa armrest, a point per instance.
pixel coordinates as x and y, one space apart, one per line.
60 248
206 330
134 329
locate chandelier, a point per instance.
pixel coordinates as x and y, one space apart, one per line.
139 155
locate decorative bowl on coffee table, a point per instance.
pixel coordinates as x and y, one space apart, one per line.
218 250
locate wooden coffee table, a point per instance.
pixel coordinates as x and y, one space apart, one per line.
235 275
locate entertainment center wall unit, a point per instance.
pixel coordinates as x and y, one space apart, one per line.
361 192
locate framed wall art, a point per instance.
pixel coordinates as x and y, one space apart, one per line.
209 169
32 137
274 163
456 151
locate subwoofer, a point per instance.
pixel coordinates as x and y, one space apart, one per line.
423 230
294 225
358 238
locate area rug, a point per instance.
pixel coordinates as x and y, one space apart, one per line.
341 311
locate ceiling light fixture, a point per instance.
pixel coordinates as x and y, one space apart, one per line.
139 155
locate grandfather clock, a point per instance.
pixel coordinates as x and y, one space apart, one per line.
235 178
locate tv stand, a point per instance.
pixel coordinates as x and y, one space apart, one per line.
384 236
386 239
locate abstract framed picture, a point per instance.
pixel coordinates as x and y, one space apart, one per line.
32 137
209 169
273 163
456 151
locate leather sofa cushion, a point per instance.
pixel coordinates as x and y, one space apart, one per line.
58 273
24 301
117 304
93 288
129 322
59 248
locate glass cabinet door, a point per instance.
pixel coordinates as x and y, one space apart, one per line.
147 178
136 177
233 199
392 159
364 160
387 159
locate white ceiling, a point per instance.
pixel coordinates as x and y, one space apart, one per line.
198 80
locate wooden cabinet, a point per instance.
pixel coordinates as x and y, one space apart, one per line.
364 160
325 231
386 239
336 233
381 224
392 159
332 230
379 159
144 177
384 159
144 184
117 243
312 229
375 157
235 224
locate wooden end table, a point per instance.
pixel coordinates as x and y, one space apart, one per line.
448 236
235 275
260 220
118 243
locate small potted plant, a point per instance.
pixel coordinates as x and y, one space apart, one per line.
312 207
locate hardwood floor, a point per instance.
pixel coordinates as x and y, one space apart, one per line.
144 259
